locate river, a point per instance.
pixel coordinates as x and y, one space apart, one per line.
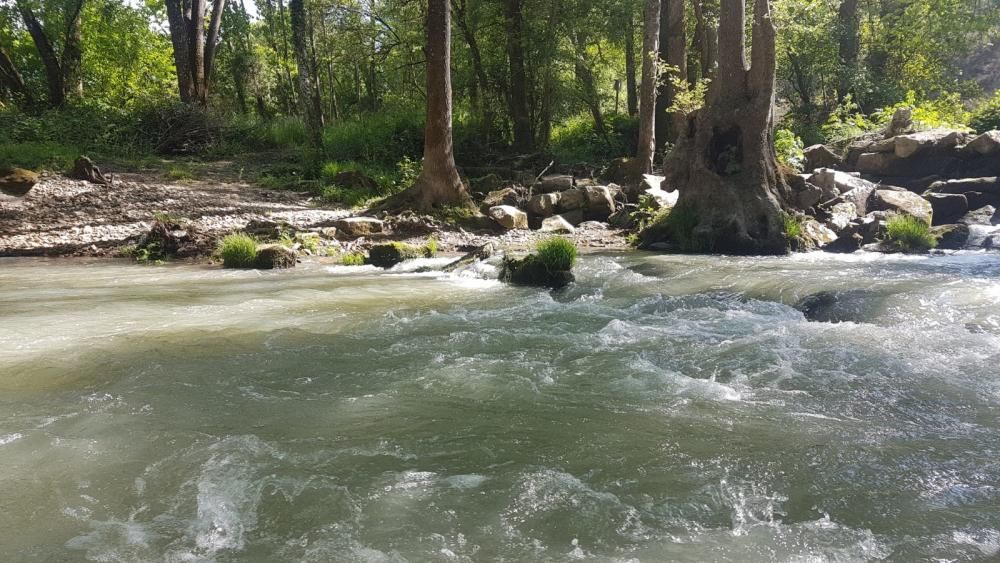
663 408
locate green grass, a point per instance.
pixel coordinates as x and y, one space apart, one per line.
557 253
793 226
353 259
179 172
909 234
38 156
238 250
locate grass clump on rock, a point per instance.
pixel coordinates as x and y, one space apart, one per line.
550 266
238 250
353 259
908 234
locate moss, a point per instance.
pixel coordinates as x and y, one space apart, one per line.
238 250
908 234
353 259
388 255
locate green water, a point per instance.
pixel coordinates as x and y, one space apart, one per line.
662 409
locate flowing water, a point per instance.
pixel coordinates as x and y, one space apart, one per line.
661 409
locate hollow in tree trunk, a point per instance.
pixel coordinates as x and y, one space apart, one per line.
731 195
439 183
647 91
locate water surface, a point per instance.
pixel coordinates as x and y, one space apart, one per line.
661 409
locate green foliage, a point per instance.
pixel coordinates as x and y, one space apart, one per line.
688 98
353 259
945 110
431 247
792 225
789 148
238 250
575 140
847 122
37 155
179 172
557 254
384 137
909 234
986 116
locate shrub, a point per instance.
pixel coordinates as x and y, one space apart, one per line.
789 148
557 254
238 250
793 226
986 117
946 110
909 234
353 259
575 140
383 137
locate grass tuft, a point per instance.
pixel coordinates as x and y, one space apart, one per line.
909 234
238 250
557 254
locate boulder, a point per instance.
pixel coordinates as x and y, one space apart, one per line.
986 144
841 215
266 229
509 217
816 235
554 183
557 224
901 123
989 185
574 217
986 215
860 197
820 156
505 196
948 208
901 202
599 202
951 237
807 195
543 205
274 257
18 182
388 255
906 146
532 271
571 200
354 227
876 163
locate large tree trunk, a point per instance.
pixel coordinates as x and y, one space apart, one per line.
673 52
848 44
439 183
588 84
53 70
630 82
731 195
307 88
72 53
194 46
524 137
647 91
705 40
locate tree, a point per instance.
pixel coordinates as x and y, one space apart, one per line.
673 54
731 195
11 80
62 72
647 90
630 85
308 93
194 45
524 136
439 183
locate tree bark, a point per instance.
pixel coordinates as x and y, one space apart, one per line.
705 40
524 138
630 82
12 80
439 183
180 39
72 53
194 45
647 92
848 45
310 102
53 70
731 195
583 73
673 52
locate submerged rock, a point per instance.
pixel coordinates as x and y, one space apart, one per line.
532 271
275 257
388 255
854 305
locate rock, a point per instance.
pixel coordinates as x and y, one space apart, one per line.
554 183
948 208
557 224
841 215
543 205
951 237
85 169
18 182
901 123
599 203
574 217
571 200
354 227
815 234
989 185
820 156
623 219
274 257
837 181
505 196
906 146
901 202
531 271
509 217
982 216
263 228
621 171
807 195
355 179
855 305
388 255
860 197
986 144
877 163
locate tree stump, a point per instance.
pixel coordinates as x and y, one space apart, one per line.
85 169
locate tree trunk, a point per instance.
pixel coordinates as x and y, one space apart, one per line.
439 183
53 70
180 39
705 40
480 82
673 52
583 73
647 92
731 195
12 80
72 54
848 49
194 46
632 95
524 138
307 95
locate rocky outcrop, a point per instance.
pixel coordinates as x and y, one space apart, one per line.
948 208
900 201
18 182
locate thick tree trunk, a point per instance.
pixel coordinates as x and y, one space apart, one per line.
310 102
524 138
705 40
731 196
180 39
848 44
194 45
630 82
439 183
53 70
72 54
647 91
673 52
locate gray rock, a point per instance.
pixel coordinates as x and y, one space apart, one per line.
600 205
571 200
902 122
901 202
986 144
509 217
554 183
544 205
820 156
275 257
557 224
906 146
504 196
982 216
948 208
18 182
841 215
877 163
951 237
354 227
988 185
816 235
